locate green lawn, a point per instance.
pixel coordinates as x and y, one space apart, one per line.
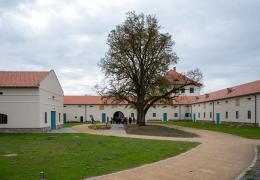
70 124
239 130
75 156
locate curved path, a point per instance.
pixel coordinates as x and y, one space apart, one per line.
220 156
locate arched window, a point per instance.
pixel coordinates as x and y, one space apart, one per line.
3 119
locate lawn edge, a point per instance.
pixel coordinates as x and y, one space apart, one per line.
242 174
148 164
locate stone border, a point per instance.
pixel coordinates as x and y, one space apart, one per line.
249 167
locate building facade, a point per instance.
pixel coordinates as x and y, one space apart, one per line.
239 104
30 101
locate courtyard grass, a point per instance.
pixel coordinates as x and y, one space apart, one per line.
246 131
77 156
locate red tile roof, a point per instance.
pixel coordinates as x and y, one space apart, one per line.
22 78
80 100
179 79
240 90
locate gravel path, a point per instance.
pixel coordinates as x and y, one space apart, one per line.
220 156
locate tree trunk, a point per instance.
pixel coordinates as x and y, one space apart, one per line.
140 116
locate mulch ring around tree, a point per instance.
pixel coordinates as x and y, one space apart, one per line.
157 130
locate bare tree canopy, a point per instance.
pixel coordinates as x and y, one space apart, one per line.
137 62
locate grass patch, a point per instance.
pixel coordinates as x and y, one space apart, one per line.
250 132
157 130
99 126
76 156
70 124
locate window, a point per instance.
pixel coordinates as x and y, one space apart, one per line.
45 117
182 90
76 117
226 115
101 107
64 106
79 105
164 106
59 117
132 114
249 99
175 114
218 102
237 102
226 102
210 114
237 114
187 114
154 114
3 119
199 115
248 114
204 115
90 105
191 90
1 93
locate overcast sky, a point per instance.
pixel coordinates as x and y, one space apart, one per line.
222 38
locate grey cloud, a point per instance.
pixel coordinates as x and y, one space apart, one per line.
219 37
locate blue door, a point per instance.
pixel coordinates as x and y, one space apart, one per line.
53 119
64 118
194 117
165 118
104 117
217 118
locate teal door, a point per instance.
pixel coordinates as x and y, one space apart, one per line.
217 118
194 117
165 118
53 119
104 117
64 118
81 119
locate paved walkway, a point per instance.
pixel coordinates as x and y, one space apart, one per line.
63 130
220 156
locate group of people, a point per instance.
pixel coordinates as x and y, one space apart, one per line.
122 120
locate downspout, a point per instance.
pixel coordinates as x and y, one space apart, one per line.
180 112
213 115
85 112
255 111
191 112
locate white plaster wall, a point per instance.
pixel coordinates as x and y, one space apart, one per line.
49 88
227 105
258 108
22 107
187 91
73 111
206 107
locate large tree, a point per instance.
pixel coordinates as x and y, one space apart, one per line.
136 63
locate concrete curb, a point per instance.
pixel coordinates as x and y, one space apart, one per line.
249 167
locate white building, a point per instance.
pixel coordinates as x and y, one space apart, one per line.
239 104
30 101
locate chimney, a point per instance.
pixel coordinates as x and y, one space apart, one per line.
174 68
229 90
207 95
